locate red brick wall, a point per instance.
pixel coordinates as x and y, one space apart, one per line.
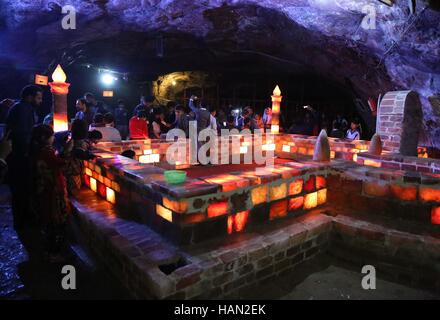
399 122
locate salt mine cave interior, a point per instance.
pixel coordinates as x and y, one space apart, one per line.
301 229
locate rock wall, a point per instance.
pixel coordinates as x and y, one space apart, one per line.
402 51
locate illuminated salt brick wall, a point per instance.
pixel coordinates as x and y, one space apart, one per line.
103 186
292 145
399 120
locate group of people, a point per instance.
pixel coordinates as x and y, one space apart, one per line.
149 120
42 168
45 167
311 122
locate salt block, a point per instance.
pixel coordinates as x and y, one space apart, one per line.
322 148
375 145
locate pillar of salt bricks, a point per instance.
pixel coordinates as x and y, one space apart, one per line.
399 121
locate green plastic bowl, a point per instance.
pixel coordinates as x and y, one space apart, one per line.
175 176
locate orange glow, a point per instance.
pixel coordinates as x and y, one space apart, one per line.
102 190
41 80
259 194
278 192
372 163
116 187
164 213
93 185
60 122
322 196
296 203
228 182
216 209
310 184
111 197
278 209
277 91
107 182
310 200
88 172
406 193
149 158
107 93
240 220
275 129
176 206
86 179
435 215
237 222
230 224
429 194
58 75
268 147
320 182
296 187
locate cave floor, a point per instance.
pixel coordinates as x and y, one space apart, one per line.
323 277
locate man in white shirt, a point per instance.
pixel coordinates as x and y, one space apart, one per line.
109 132
353 132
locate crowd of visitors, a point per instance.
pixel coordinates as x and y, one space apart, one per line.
43 167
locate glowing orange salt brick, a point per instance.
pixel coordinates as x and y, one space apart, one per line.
310 200
295 187
376 189
86 180
278 192
164 213
435 215
372 163
110 195
102 190
216 209
177 206
310 184
429 194
230 224
240 220
259 194
320 182
88 172
107 182
278 209
93 184
322 196
296 203
406 193
116 187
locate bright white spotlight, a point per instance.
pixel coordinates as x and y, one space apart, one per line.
108 79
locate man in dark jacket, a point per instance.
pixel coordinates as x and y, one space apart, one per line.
20 121
146 104
201 114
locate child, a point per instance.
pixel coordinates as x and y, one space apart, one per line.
50 192
353 133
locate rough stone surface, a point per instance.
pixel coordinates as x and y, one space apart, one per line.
402 52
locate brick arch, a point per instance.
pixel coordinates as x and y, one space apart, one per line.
399 121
